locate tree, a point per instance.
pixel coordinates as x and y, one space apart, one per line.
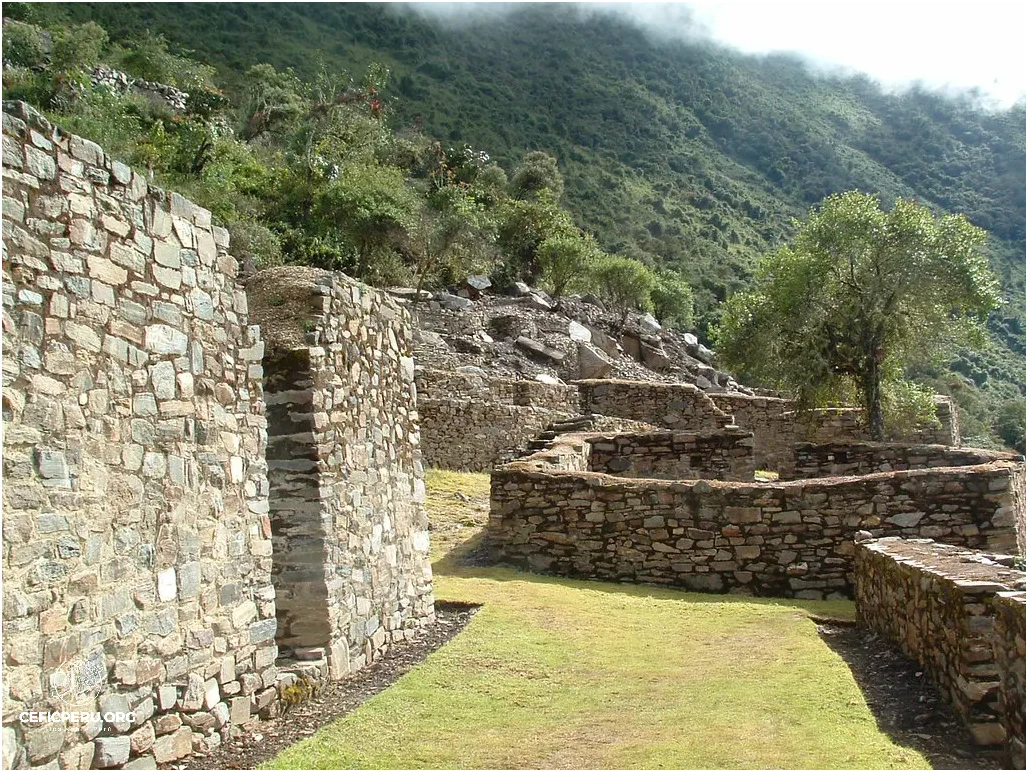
624 282
672 300
859 296
538 171
564 259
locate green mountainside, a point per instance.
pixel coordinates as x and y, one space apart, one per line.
684 154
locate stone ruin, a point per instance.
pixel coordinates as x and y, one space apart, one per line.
211 490
195 514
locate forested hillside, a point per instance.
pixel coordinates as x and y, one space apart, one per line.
686 156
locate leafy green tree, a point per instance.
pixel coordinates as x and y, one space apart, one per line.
371 207
22 46
275 101
523 227
625 283
672 300
538 171
77 49
1010 424
564 259
859 296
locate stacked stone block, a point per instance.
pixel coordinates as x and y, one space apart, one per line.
842 459
347 489
471 423
137 545
785 538
724 455
678 406
962 617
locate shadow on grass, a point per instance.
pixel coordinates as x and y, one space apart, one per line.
905 703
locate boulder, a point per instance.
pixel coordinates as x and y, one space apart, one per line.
453 302
655 358
648 324
428 337
605 343
519 289
579 332
593 301
540 350
702 353
409 293
537 301
478 282
472 370
592 362
632 345
547 379
689 339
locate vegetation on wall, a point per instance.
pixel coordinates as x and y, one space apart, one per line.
684 156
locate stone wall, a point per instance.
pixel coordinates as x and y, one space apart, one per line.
723 455
785 538
840 459
962 617
136 541
678 406
351 569
471 423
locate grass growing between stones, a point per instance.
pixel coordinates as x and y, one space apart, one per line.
556 673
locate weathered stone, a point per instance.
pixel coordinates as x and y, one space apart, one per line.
111 752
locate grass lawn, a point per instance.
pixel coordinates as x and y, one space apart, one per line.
555 673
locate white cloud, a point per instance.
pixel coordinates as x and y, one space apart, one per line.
943 45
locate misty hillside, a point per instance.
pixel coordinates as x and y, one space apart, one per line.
686 155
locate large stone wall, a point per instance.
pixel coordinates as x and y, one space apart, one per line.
471 423
351 568
962 617
137 551
723 455
785 538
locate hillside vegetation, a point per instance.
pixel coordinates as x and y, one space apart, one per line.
685 156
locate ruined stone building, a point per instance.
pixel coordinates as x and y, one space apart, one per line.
193 511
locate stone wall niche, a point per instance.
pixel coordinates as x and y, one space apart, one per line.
350 533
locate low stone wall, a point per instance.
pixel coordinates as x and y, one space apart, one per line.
962 617
474 436
840 459
350 532
678 406
471 423
785 539
723 455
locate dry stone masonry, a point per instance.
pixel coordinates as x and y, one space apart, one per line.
471 422
961 615
142 554
782 538
137 549
350 533
724 455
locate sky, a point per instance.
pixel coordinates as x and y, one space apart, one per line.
948 46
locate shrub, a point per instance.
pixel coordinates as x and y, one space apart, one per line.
673 301
625 283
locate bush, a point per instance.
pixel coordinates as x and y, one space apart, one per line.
22 46
253 241
625 283
564 260
673 301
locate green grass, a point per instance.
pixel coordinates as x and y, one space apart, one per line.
556 673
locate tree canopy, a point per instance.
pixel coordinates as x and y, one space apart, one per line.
857 298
